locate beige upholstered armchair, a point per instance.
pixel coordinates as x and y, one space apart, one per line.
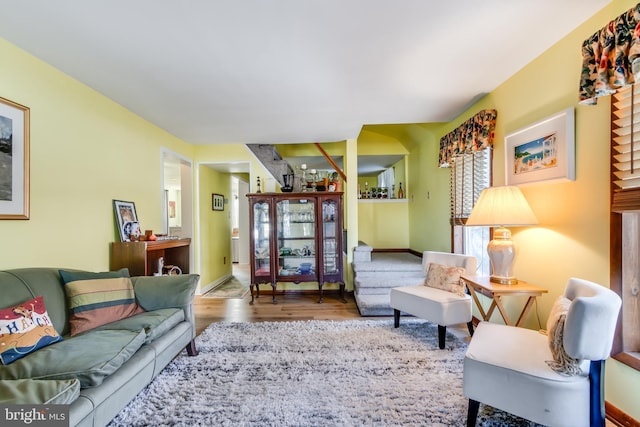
555 380
438 305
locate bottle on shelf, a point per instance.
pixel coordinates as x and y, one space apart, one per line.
400 192
366 190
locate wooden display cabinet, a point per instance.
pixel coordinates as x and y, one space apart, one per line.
296 237
141 258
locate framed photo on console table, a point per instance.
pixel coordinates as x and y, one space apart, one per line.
14 160
126 219
542 151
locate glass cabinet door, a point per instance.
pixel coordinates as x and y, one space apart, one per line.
296 243
261 239
330 246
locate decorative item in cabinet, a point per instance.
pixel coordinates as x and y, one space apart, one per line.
296 237
141 258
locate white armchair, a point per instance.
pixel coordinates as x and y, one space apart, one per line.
436 305
507 367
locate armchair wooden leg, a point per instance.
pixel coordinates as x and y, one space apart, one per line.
442 333
396 318
191 348
596 400
472 413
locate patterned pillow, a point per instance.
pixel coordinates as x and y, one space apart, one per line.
24 329
95 302
562 362
445 277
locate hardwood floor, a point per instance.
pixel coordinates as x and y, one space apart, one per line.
290 306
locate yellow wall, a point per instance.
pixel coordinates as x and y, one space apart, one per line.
214 228
428 191
86 151
383 224
572 239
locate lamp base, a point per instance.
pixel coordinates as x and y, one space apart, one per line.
502 253
503 280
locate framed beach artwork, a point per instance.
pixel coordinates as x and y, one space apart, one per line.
542 151
14 160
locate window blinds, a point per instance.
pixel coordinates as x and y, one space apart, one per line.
470 174
625 149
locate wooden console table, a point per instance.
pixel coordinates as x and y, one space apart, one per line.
496 291
141 258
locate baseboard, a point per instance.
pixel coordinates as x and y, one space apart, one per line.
213 284
618 417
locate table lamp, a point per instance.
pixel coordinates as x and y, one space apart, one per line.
500 207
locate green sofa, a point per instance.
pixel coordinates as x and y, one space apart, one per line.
99 371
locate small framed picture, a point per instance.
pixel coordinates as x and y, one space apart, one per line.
217 202
126 219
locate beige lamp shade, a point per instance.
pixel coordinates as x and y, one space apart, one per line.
499 207
502 206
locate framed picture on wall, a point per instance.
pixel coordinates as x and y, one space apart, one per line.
14 160
126 219
217 202
542 151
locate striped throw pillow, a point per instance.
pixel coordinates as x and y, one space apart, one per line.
96 302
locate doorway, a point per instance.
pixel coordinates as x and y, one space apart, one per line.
177 187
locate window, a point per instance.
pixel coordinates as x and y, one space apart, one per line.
386 179
470 174
625 220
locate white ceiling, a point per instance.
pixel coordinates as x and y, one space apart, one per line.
290 71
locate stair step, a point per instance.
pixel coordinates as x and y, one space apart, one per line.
374 305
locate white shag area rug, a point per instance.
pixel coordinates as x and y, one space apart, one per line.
313 373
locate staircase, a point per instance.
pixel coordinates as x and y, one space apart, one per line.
271 160
376 273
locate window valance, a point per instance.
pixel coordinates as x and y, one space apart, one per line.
473 135
611 57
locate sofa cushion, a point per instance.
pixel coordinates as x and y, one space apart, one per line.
28 391
94 302
155 323
25 328
89 357
445 277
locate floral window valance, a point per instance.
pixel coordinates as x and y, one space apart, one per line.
611 57
473 135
